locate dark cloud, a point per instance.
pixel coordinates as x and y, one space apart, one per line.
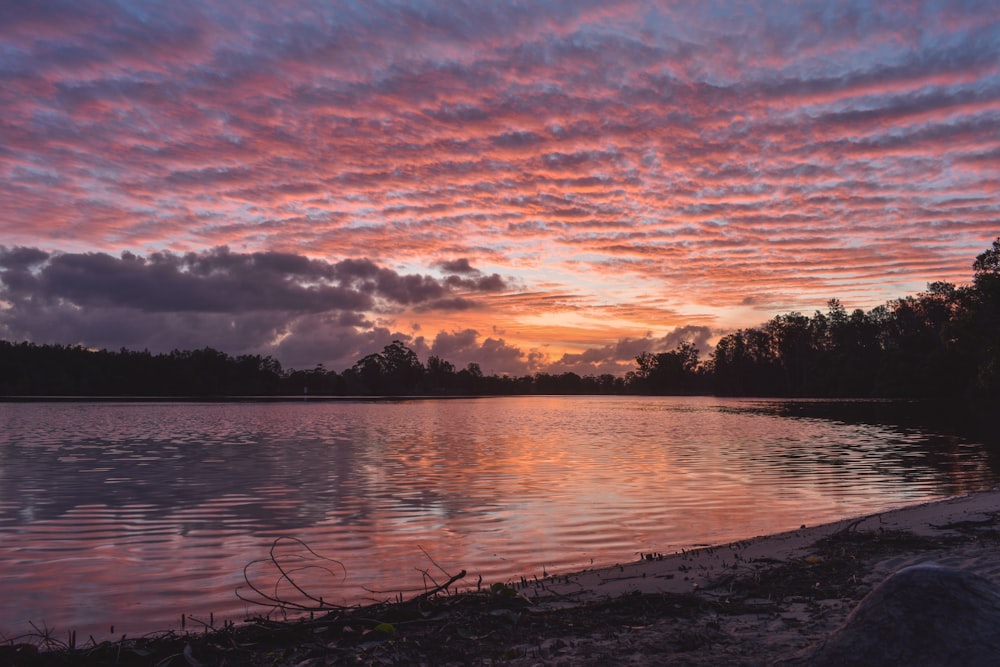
410 289
20 258
324 339
491 283
460 265
620 356
494 355
517 139
451 304
455 343
237 301
213 282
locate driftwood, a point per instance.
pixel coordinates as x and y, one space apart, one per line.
921 615
286 569
289 558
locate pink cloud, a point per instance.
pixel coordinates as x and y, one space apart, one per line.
599 152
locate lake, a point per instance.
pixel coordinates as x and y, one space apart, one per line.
132 514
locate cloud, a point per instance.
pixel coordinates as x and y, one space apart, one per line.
454 303
221 281
21 259
495 356
236 301
460 265
612 150
491 283
619 357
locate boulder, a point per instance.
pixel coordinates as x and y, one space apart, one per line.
921 615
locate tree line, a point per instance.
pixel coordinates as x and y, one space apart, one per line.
29 369
941 343
944 342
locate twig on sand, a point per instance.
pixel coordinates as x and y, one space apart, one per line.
853 526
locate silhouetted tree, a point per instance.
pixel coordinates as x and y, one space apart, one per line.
440 375
469 380
402 368
982 320
674 372
395 370
744 363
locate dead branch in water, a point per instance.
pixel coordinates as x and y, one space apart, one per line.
438 587
288 568
426 592
287 574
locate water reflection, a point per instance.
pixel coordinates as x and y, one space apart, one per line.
133 513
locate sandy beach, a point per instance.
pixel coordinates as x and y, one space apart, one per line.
792 579
760 601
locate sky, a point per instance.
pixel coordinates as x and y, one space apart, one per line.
529 185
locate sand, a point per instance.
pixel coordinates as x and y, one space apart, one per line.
707 568
772 573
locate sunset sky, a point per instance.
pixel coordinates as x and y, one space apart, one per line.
531 185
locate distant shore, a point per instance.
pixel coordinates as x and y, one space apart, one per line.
754 602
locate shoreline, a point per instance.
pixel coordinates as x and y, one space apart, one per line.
758 601
700 567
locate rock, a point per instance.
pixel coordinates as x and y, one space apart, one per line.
921 615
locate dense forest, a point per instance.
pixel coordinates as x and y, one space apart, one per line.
944 342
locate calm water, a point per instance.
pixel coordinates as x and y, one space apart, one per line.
133 514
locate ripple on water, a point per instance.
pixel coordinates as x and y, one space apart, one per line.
135 513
